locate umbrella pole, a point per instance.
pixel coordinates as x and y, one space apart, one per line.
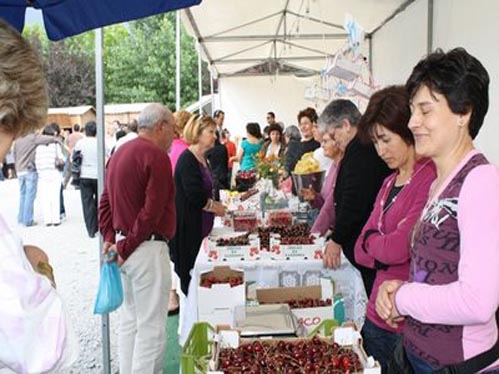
178 59
101 155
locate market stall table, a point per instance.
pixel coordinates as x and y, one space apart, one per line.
279 273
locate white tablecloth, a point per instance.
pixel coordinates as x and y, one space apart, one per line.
284 273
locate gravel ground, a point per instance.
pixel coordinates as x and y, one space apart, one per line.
75 259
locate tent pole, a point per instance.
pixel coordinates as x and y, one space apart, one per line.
101 150
212 92
429 40
200 80
178 57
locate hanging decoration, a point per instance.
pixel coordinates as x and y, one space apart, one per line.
345 74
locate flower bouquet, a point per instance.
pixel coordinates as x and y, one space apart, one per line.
269 168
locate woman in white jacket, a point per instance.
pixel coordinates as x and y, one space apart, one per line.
34 329
47 158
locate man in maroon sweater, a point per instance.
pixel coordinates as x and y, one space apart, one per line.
137 219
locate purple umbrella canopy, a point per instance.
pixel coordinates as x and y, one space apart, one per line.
63 18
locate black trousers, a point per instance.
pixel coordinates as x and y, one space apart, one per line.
88 190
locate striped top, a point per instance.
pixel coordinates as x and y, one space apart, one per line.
46 156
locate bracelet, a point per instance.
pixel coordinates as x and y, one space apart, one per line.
209 205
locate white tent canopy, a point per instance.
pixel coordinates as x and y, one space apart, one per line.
294 36
258 48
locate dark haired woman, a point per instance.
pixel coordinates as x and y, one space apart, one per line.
450 303
384 241
274 147
306 119
249 147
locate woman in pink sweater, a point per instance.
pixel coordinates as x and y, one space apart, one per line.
179 145
450 303
384 241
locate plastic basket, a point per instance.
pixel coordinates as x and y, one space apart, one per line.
196 352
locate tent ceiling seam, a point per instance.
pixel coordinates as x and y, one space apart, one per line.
317 20
400 9
241 51
244 25
243 38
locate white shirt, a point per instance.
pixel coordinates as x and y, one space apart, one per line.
88 148
45 159
324 161
125 139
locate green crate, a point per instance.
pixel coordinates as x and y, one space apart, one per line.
325 328
197 349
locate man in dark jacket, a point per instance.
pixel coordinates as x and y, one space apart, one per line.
359 179
218 159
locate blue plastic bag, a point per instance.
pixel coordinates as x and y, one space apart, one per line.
110 294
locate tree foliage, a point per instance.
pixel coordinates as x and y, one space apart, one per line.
139 64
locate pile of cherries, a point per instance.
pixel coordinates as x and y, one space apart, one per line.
246 175
233 281
298 240
280 219
236 240
309 356
299 230
245 223
246 195
308 303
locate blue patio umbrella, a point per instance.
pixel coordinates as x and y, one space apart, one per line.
63 18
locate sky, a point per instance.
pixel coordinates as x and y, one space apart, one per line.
33 16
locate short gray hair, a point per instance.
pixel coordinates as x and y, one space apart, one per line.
338 110
293 132
151 115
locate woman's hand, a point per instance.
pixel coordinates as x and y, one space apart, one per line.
219 209
39 262
332 255
385 302
308 194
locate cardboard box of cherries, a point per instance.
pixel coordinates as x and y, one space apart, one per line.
237 247
340 353
219 291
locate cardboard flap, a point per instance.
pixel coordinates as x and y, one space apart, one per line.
222 272
281 295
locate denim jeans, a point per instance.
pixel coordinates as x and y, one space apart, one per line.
27 189
419 365
379 343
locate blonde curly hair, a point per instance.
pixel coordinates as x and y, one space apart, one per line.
197 123
23 88
181 119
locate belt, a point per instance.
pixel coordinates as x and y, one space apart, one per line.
153 237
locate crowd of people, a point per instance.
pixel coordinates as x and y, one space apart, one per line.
407 199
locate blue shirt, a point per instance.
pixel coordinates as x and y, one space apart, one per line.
250 151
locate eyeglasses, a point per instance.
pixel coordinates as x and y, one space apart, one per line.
324 141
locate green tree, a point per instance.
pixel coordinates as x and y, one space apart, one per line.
69 68
139 64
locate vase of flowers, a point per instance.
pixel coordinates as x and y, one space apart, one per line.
269 168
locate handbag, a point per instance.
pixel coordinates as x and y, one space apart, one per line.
59 161
76 159
59 164
399 364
